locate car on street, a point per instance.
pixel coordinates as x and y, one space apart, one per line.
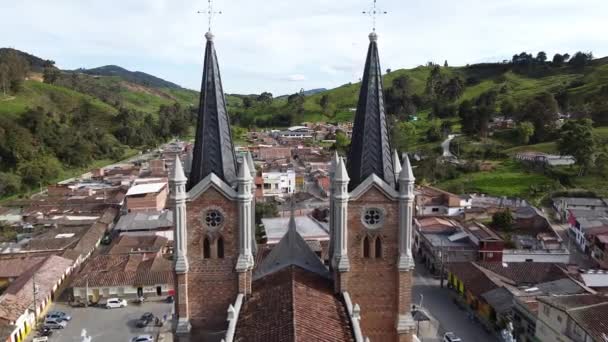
54 324
451 337
145 319
113 303
143 338
58 316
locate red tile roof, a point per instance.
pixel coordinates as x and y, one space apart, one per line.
122 270
293 305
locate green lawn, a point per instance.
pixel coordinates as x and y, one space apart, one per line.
508 179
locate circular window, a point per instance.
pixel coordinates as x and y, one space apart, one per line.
372 217
213 218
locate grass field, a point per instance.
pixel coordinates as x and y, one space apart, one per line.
508 179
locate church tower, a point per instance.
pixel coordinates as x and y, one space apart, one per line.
213 215
371 218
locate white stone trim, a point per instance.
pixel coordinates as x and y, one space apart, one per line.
233 317
354 314
217 183
379 183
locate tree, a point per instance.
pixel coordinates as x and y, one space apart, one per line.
581 59
433 81
50 73
399 97
342 142
324 102
542 112
558 60
247 102
16 69
9 184
452 89
508 108
434 133
403 135
576 139
388 71
41 170
265 97
525 130
541 57
445 64
503 220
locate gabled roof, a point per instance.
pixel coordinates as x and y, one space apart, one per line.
293 305
291 250
370 151
213 148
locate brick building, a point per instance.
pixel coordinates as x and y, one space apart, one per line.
147 197
229 287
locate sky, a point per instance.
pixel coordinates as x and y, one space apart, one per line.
283 46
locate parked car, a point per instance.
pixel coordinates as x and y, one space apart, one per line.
113 303
58 316
53 324
451 337
44 331
145 319
143 338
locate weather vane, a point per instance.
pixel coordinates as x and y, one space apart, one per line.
374 12
210 12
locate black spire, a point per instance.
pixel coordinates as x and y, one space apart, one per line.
213 149
370 151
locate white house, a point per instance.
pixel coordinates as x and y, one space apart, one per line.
279 184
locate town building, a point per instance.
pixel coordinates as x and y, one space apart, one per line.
307 226
159 223
562 205
585 223
572 318
223 290
146 197
278 184
435 202
19 306
125 275
541 158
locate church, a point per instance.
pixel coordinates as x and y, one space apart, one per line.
229 288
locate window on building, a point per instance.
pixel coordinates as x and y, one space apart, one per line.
546 310
220 248
206 249
435 210
559 318
489 255
373 218
366 247
378 247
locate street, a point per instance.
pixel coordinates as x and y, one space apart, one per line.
445 314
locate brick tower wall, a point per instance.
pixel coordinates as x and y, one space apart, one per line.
213 282
372 283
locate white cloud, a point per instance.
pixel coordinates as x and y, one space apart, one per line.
296 78
258 43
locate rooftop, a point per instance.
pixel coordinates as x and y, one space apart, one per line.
308 227
141 189
145 220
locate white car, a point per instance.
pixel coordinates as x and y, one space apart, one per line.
143 338
53 324
113 303
451 337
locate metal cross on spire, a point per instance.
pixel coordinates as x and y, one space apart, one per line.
209 12
374 12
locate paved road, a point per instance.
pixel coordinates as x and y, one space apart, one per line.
446 316
445 145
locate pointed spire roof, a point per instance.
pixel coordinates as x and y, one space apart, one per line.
250 162
370 151
291 250
177 174
213 148
341 172
244 174
396 163
406 170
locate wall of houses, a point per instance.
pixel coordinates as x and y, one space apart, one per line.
551 324
128 291
148 202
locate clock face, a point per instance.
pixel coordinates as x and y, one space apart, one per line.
213 219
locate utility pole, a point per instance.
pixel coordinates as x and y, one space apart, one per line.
442 265
86 293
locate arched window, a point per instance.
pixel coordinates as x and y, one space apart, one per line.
206 249
220 248
378 248
366 247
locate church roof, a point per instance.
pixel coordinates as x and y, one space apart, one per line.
291 250
370 151
293 305
213 148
